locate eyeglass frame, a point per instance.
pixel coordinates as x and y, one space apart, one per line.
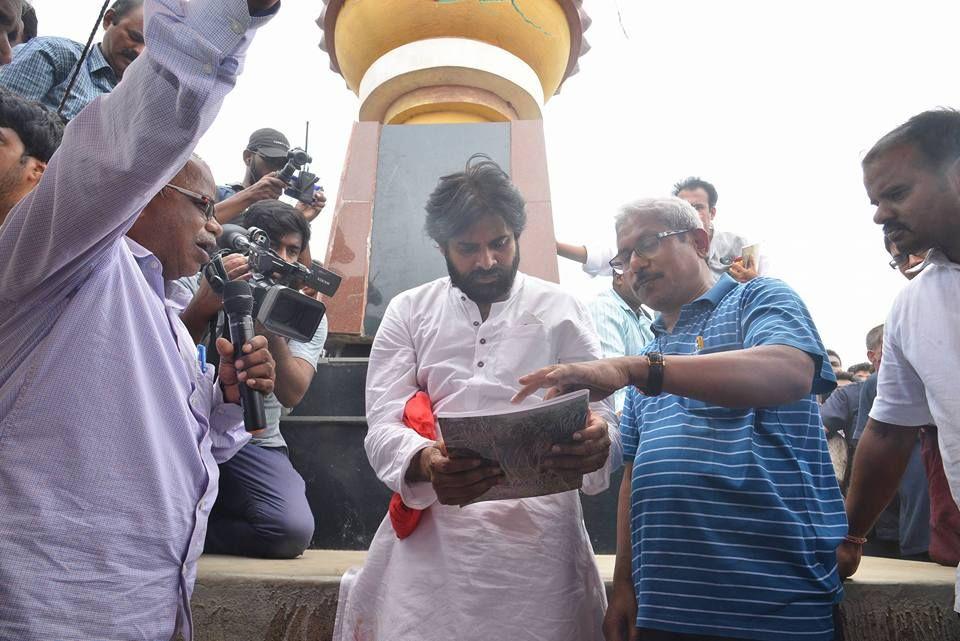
208 204
619 269
899 260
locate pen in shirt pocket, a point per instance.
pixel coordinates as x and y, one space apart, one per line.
202 357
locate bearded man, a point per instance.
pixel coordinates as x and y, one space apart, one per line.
509 569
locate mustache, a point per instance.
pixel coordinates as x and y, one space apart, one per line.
481 273
890 227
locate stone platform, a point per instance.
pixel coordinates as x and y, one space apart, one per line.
254 600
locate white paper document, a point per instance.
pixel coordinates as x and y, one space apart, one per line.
518 440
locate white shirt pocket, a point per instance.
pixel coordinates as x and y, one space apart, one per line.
521 350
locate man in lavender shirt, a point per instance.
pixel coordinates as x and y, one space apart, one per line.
110 432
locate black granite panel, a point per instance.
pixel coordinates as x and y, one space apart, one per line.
412 160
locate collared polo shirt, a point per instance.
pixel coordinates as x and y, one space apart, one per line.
42 68
735 513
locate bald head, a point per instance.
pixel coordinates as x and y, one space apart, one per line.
174 225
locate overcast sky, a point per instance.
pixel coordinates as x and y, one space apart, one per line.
775 103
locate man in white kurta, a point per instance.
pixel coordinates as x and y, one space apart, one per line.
513 569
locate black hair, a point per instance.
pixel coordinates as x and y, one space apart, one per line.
277 219
460 199
121 8
40 129
861 367
29 19
695 182
830 352
934 134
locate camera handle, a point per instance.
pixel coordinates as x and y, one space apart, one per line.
215 272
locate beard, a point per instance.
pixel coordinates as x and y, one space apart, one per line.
485 293
11 189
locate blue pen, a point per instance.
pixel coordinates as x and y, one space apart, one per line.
202 357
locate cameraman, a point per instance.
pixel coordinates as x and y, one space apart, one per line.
262 510
265 156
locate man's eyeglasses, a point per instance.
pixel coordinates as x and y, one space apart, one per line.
647 246
205 203
899 261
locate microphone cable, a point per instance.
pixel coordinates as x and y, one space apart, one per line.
83 57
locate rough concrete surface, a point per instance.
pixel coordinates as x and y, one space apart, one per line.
257 600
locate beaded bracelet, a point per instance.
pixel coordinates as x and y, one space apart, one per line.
856 540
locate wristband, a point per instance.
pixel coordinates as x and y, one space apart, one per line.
856 540
655 367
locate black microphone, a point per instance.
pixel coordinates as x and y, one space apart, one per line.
234 237
238 304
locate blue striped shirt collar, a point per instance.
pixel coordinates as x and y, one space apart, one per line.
713 296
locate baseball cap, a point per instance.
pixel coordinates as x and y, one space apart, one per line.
269 142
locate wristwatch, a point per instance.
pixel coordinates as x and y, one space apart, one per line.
655 367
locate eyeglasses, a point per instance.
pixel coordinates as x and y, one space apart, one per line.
646 246
899 261
205 203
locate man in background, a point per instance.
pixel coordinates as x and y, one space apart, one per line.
29 134
261 510
42 68
264 156
621 322
28 28
11 24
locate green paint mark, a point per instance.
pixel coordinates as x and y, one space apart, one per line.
516 7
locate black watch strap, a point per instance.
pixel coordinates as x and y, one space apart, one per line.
655 367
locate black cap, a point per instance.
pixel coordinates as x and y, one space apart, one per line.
269 142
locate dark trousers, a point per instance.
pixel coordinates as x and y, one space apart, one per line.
261 509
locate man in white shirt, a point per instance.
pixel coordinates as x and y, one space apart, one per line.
912 176
509 569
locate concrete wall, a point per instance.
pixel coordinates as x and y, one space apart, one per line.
252 600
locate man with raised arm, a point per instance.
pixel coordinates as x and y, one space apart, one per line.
110 429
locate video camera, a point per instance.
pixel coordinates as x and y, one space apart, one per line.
301 184
278 306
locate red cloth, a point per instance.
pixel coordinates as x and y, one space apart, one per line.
944 515
418 416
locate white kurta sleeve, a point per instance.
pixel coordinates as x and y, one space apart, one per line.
391 382
578 341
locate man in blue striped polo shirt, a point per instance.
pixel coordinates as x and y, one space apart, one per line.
729 512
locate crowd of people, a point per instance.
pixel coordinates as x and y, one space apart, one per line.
756 470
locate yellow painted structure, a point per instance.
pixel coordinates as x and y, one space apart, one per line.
445 118
536 31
